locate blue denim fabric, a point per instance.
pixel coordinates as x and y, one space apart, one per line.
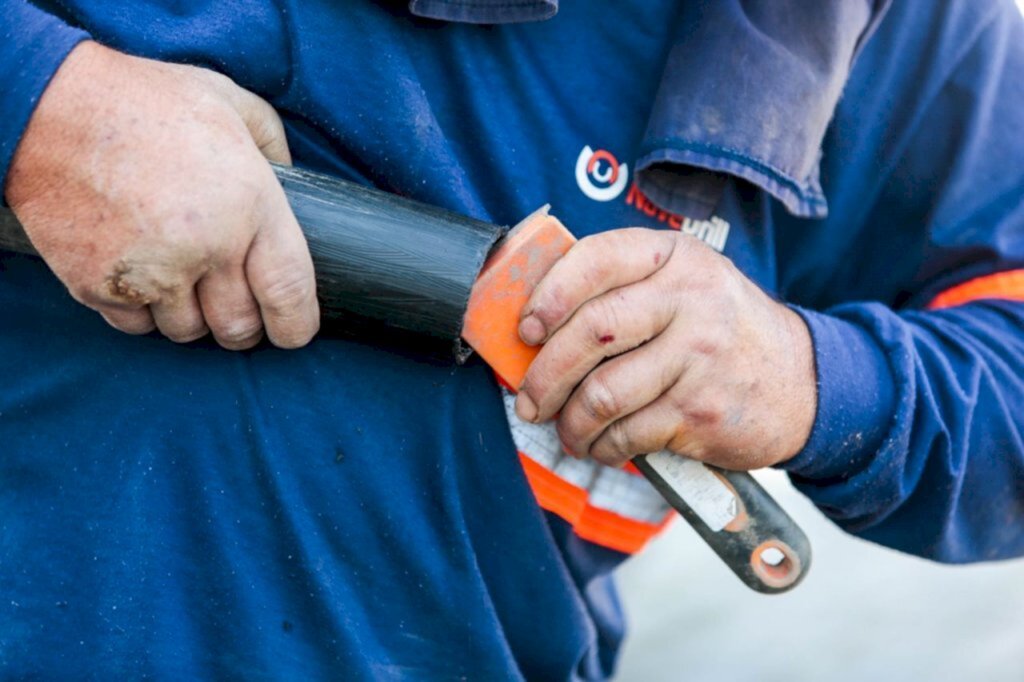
748 91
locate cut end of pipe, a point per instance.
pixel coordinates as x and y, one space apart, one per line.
515 267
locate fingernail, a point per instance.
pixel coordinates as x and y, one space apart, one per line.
531 330
525 408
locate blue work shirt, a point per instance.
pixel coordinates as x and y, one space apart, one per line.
354 512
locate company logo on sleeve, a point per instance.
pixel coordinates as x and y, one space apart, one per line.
600 175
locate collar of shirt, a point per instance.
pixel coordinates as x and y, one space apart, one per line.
748 90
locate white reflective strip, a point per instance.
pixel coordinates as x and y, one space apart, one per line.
626 494
579 472
610 489
711 499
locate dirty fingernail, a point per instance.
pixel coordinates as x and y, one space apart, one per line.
525 408
531 330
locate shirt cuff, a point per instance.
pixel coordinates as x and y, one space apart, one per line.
663 174
748 89
29 56
485 11
856 400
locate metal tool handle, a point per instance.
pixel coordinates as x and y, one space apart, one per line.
756 539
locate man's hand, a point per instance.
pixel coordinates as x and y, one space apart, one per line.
655 341
144 187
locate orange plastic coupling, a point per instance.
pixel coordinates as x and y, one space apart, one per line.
503 289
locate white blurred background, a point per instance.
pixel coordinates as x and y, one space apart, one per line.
863 614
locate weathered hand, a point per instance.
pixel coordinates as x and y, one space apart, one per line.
655 341
144 187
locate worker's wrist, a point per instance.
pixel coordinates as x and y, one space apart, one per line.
32 53
65 114
855 399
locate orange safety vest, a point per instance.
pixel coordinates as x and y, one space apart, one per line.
615 508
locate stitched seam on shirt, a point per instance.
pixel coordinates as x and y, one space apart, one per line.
775 174
797 202
482 4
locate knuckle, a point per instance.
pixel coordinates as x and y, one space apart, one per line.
619 439
130 324
599 316
285 295
599 400
713 339
706 345
550 306
568 432
294 336
293 341
126 285
239 332
706 412
186 334
614 447
136 326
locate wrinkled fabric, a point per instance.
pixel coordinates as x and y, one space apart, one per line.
748 91
919 440
485 11
184 512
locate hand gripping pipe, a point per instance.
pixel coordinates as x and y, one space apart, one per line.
392 270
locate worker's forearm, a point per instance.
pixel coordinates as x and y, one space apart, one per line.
919 426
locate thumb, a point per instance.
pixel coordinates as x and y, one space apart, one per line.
259 117
264 125
280 273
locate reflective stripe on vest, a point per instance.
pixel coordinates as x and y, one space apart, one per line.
1008 285
615 508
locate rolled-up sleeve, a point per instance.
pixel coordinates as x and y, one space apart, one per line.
748 91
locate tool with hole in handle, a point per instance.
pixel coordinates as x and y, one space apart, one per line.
396 271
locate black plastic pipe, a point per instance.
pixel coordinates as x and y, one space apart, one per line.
384 264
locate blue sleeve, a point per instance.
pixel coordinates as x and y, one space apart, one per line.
919 439
34 46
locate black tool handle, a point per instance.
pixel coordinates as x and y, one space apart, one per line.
749 531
